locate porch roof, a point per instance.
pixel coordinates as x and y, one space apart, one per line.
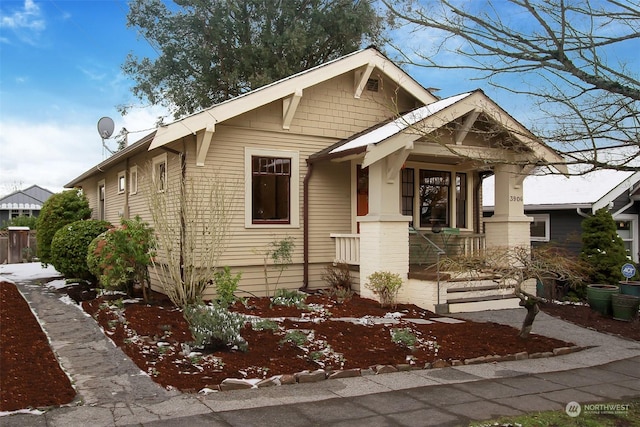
438 114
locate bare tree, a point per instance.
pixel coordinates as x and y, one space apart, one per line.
578 61
513 267
192 222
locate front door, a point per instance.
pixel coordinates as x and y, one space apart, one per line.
362 192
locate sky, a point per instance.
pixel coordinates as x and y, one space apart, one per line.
60 72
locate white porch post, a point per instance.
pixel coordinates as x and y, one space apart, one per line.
384 232
508 227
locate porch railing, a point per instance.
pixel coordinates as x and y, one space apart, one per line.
347 249
423 250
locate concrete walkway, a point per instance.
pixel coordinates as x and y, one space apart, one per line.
113 391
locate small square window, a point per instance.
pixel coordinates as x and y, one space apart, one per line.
540 228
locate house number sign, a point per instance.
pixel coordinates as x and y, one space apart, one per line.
515 198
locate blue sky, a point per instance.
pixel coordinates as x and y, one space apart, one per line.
59 73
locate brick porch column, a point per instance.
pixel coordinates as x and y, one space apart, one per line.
509 226
384 231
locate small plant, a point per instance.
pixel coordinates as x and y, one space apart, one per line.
404 336
289 298
215 326
280 252
265 325
386 286
295 337
338 277
226 285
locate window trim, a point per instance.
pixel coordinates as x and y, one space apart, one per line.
122 175
547 227
294 191
156 161
133 180
634 233
102 205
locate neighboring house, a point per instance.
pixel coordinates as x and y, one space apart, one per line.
27 202
558 204
342 157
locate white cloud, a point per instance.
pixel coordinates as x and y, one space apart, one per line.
51 154
27 23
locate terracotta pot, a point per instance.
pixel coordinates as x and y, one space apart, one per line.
599 297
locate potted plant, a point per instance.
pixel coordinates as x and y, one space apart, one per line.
625 307
599 297
630 287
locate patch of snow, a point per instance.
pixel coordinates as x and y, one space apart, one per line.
67 300
394 315
27 271
22 411
59 284
207 390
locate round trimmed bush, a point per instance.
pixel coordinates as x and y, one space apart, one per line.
70 245
59 210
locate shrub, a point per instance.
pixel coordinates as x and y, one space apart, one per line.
226 286
265 325
214 326
338 277
289 298
386 286
21 221
59 210
602 248
280 252
404 336
295 337
68 252
120 257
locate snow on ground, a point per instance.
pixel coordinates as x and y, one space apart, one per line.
25 272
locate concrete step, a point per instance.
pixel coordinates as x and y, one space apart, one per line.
483 305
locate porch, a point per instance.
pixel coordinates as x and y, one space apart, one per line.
430 288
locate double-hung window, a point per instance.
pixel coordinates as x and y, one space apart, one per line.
160 172
271 190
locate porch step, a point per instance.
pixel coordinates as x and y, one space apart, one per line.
483 305
478 288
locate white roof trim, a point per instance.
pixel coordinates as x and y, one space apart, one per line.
626 185
399 124
24 206
286 87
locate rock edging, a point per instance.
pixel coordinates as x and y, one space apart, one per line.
321 374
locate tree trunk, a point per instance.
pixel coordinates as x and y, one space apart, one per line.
532 311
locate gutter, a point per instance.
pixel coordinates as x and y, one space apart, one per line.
305 229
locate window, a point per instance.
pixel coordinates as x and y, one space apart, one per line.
101 200
540 228
122 182
408 190
271 190
626 226
160 172
434 198
461 200
133 180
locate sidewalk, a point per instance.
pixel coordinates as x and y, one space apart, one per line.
113 391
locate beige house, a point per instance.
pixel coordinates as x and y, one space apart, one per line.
358 163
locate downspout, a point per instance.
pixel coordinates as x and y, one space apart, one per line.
582 214
183 173
305 229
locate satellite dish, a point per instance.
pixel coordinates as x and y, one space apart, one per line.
105 127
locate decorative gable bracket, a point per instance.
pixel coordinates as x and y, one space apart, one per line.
361 78
203 141
289 107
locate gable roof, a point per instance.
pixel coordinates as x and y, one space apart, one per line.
593 190
366 59
440 113
30 198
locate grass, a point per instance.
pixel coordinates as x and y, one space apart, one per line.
626 414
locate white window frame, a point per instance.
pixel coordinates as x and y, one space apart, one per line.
102 206
156 161
294 202
133 180
634 232
547 227
122 178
